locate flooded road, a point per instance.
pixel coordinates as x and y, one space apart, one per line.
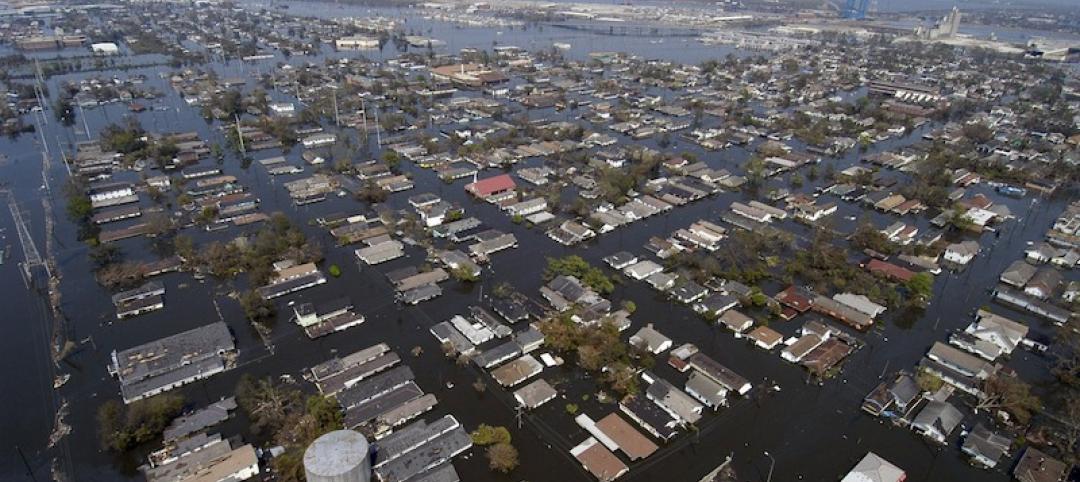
815 432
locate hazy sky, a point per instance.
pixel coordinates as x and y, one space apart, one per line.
902 5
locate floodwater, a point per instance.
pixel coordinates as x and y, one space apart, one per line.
814 432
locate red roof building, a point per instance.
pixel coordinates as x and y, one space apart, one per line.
492 186
795 298
889 270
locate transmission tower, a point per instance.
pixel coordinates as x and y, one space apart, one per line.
32 260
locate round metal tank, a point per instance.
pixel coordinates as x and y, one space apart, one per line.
339 456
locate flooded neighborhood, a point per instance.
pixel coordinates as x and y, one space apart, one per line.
489 241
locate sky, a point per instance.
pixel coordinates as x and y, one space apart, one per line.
904 5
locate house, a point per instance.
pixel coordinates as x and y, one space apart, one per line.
1035 466
356 42
707 391
672 400
494 188
796 300
216 460
1040 253
643 269
1003 334
958 361
716 304
571 232
893 399
736 321
889 270
826 356
860 303
527 207
985 447
961 253
854 318
937 420
517 371
648 339
598 460
765 338
1045 282
650 417
1066 258
689 292
719 373
1072 292
283 108
326 317
803 346
751 213
535 394
1018 273
629 441
873 468
105 48
900 232
162 365
620 260
320 139
813 212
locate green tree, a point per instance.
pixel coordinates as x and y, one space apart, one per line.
577 267
122 428
921 286
485 435
257 308
464 274
79 207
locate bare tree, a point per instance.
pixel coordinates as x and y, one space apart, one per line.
1010 394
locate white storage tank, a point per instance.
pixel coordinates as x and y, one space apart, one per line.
339 456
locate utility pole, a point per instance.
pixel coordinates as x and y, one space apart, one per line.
41 130
22 456
39 91
772 464
63 155
82 115
337 115
378 136
239 135
45 173
363 113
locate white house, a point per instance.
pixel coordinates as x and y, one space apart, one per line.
105 48
1041 253
321 139
1001 333
647 338
356 42
283 108
962 252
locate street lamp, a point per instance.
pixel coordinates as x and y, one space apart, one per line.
772 463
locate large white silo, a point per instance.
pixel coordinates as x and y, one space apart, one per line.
339 456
